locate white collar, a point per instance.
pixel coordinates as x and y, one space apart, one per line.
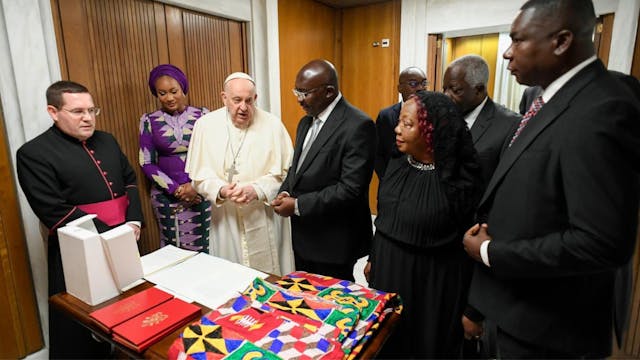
471 117
558 83
324 115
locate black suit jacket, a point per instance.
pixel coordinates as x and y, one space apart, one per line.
386 148
332 187
491 133
562 211
624 276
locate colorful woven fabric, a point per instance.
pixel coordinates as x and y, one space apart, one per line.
251 332
242 302
372 305
306 304
304 316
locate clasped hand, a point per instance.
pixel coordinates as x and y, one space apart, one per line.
472 329
473 239
187 194
240 195
284 205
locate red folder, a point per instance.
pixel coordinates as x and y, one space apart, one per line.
118 312
145 329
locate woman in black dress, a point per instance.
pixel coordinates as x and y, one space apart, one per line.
426 201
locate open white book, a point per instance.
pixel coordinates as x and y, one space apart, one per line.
207 279
163 258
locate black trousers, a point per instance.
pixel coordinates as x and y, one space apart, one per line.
509 347
70 340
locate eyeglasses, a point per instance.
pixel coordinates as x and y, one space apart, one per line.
416 83
303 94
94 111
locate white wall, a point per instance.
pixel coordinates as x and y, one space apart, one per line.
28 66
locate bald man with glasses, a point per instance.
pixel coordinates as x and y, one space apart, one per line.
326 191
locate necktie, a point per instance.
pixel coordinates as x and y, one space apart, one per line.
313 132
533 110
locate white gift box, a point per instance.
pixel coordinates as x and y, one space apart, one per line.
98 266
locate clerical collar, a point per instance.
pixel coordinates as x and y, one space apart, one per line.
324 115
471 117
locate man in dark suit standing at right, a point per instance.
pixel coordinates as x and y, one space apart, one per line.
410 80
562 205
327 187
491 125
624 275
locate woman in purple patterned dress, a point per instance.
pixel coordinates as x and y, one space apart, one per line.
183 215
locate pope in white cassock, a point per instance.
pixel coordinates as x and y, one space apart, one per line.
237 158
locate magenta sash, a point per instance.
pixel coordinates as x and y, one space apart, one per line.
111 212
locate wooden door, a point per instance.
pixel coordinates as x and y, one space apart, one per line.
370 73
367 75
635 64
20 326
602 37
483 45
110 46
434 62
307 30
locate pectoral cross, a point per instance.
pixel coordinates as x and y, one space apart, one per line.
231 171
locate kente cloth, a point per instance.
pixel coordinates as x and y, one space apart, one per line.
373 305
306 304
164 141
241 302
236 334
251 234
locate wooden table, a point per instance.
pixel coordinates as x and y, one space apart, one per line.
79 311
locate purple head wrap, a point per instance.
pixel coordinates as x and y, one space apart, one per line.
167 70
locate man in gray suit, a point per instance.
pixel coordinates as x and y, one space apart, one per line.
491 125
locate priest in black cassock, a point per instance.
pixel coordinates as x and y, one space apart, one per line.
66 172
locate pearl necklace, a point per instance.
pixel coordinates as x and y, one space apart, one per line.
420 166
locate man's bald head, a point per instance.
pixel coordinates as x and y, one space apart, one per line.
318 81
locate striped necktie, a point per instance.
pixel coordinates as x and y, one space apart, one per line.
533 110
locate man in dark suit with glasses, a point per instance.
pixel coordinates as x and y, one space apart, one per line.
326 191
411 80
